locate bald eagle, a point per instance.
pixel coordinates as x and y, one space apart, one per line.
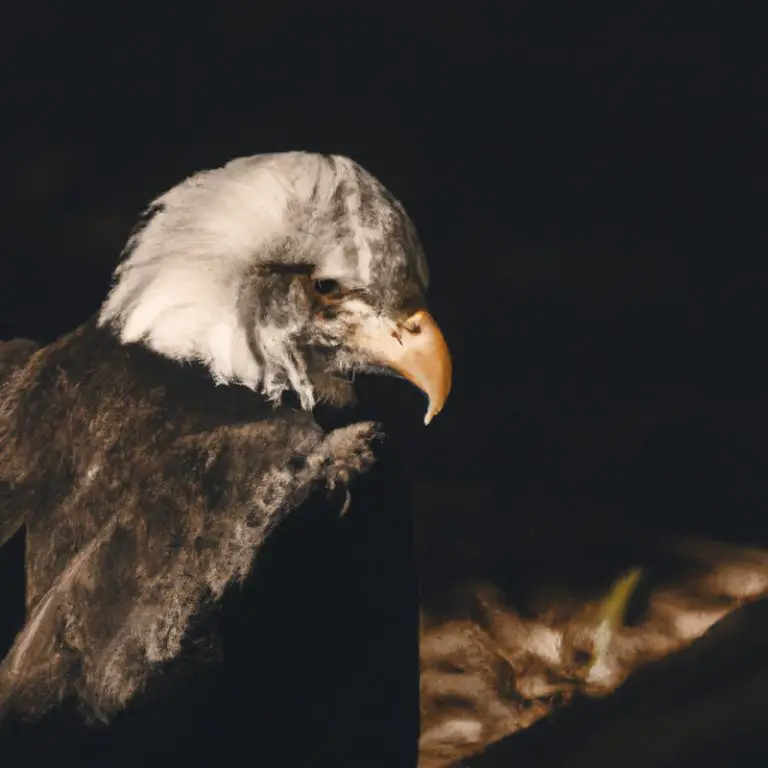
149 453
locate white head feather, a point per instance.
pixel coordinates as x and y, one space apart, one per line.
178 287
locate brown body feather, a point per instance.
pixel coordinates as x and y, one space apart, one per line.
145 490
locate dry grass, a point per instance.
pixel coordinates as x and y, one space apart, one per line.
490 668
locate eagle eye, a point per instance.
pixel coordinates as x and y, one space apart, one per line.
328 288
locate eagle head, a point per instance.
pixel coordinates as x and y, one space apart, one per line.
278 271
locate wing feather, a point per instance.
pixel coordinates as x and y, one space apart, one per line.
190 530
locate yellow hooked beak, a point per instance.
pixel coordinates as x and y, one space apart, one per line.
414 348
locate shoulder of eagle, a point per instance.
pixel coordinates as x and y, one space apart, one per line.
13 355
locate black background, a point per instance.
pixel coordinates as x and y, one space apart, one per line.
585 179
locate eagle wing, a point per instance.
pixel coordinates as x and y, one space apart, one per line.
176 526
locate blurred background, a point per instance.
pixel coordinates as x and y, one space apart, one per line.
583 178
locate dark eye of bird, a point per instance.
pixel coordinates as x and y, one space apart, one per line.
327 287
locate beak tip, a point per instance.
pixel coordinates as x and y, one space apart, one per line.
432 411
436 400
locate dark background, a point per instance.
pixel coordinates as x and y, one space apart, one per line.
585 181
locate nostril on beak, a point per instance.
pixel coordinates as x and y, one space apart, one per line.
413 325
